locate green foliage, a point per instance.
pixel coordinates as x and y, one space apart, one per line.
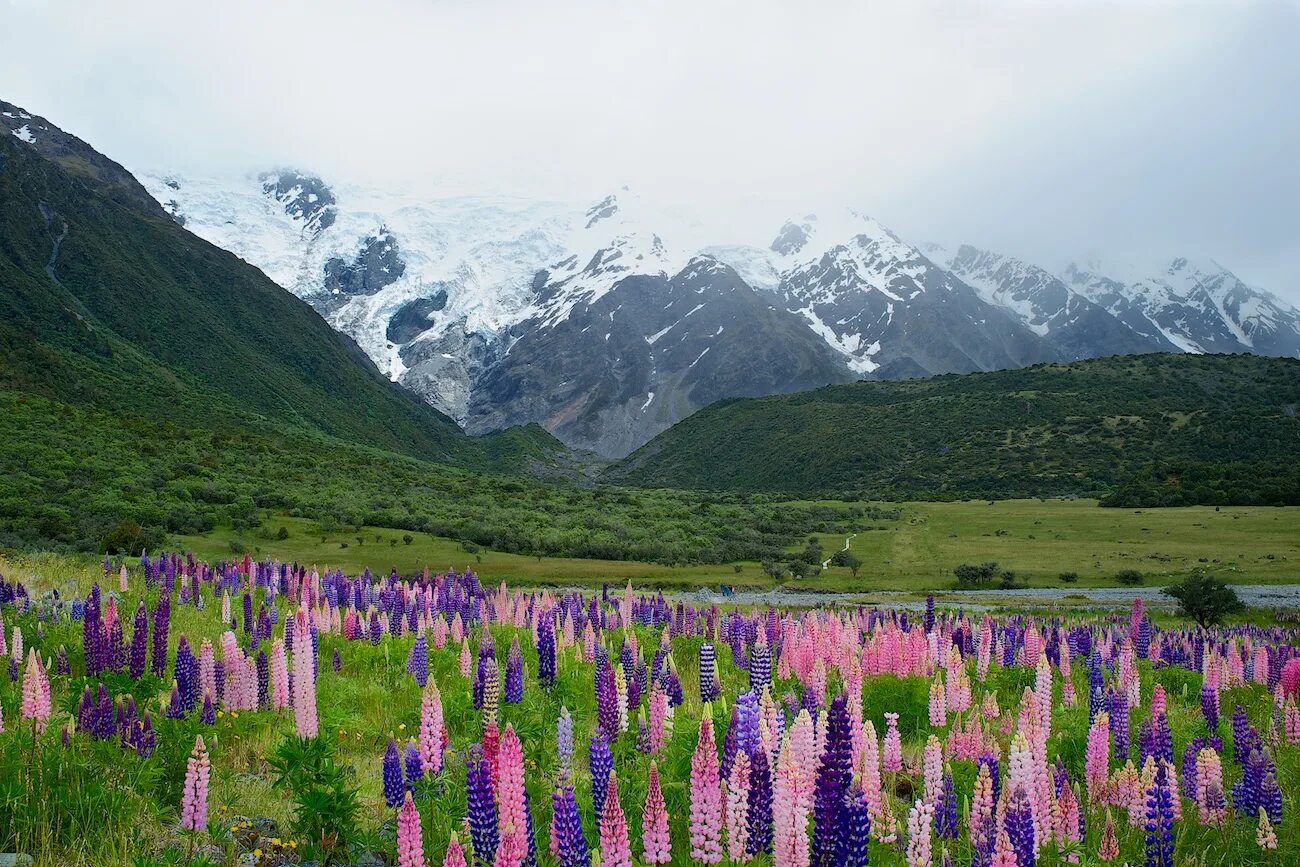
975 576
1069 577
327 807
1205 599
1128 577
1051 430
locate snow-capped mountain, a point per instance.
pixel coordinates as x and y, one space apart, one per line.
1076 326
1196 305
609 322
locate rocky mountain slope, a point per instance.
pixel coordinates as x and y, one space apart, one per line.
498 310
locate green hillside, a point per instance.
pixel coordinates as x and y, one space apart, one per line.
1225 424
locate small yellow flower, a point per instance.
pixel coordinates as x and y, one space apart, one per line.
234 829
293 844
234 714
220 714
402 727
275 841
257 853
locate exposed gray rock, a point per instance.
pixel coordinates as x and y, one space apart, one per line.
412 318
304 197
377 264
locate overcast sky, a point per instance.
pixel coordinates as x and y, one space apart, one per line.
1044 129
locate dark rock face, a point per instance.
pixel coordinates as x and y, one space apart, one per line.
377 264
646 354
304 197
602 210
412 318
791 239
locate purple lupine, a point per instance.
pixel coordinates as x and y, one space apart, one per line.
392 774
928 620
1160 820
607 711
418 663
139 642
248 613
336 662
760 668
564 739
747 723
187 675
161 625
208 716
758 818
1245 738
1248 792
175 708
571 842
482 808
945 815
414 767
729 746
601 761
1210 707
834 775
1117 703
61 663
710 690
1020 827
263 680
146 738
514 689
546 652
855 830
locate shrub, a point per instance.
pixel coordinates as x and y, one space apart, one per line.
1128 577
972 576
1069 577
1204 599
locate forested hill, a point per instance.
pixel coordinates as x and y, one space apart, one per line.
106 303
1227 422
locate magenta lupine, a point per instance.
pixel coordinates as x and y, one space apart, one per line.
512 806
279 676
706 796
455 856
615 849
655 842
194 794
410 839
36 693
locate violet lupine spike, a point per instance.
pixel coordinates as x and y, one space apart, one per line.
1160 820
601 761
482 808
1117 705
514 691
1210 707
392 775
414 765
710 690
855 831
546 659
945 817
419 664
139 643
570 839
834 775
1020 828
607 711
759 816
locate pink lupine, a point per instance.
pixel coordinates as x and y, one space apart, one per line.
410 840
657 848
511 801
870 772
1292 721
615 849
1109 848
1159 704
706 796
982 821
1210 794
122 583
1097 758
455 856
737 809
194 794
1265 836
790 815
938 704
932 770
304 680
893 759
920 820
36 693
431 729
1004 854
466 661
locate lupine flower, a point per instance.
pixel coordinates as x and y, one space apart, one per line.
601 762
392 774
514 674
36 693
455 856
481 798
706 796
512 802
834 775
759 811
855 831
564 739
893 756
410 841
656 846
710 689
1265 837
431 729
1020 827
919 845
737 809
1109 849
304 681
569 840
194 793
1160 820
615 850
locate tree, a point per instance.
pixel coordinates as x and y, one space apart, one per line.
1204 599
1129 577
972 576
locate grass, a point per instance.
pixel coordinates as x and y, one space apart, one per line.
103 807
1037 539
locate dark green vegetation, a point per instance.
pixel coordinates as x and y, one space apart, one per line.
152 383
1205 599
1051 430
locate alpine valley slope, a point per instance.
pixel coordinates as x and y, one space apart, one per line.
108 304
1049 430
502 311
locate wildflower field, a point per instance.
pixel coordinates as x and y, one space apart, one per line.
263 713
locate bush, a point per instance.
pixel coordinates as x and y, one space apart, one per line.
407 538
282 533
1069 577
1129 577
971 576
1204 599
